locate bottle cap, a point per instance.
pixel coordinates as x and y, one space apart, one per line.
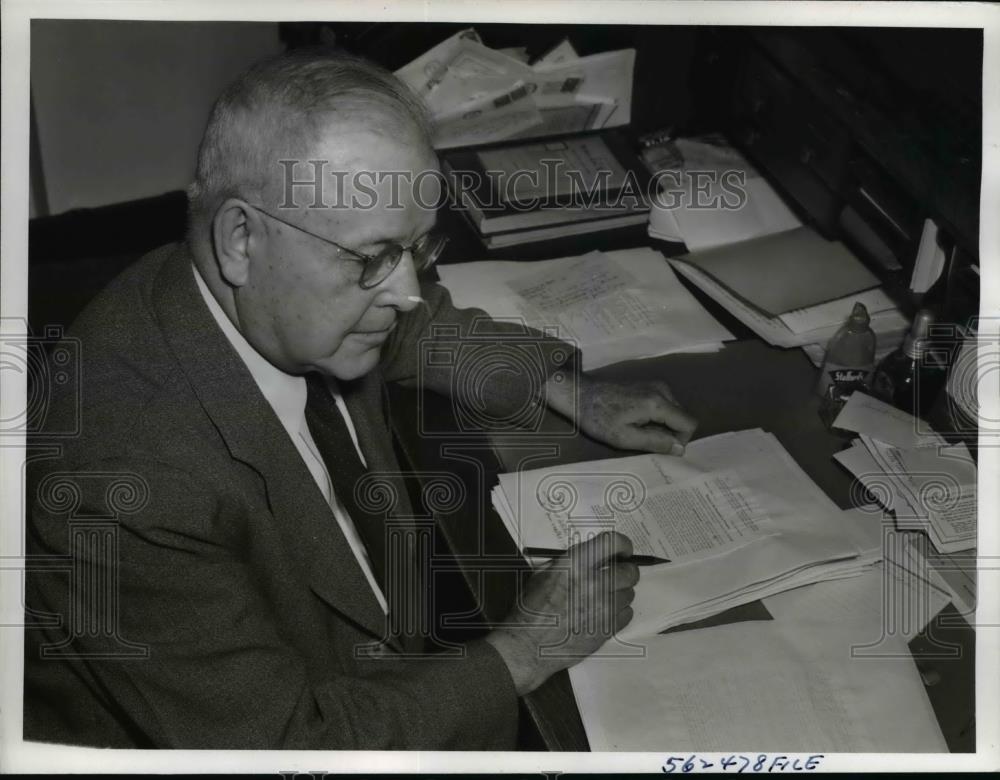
859 318
916 340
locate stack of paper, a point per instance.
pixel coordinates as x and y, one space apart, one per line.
781 686
616 306
477 95
736 516
929 485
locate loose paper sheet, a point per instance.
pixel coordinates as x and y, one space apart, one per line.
757 686
864 414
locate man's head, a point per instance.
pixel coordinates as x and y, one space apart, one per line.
294 296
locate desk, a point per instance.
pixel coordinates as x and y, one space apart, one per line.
746 385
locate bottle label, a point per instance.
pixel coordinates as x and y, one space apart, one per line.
843 376
844 379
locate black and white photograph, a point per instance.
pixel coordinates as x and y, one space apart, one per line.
558 387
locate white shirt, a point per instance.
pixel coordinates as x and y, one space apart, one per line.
287 396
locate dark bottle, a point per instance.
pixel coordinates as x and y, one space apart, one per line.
910 377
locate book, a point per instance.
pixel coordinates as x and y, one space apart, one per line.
557 182
517 237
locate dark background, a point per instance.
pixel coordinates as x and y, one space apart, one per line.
822 111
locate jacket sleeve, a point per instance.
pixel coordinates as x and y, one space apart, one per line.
217 672
496 366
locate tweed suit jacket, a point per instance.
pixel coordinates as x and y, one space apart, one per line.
225 607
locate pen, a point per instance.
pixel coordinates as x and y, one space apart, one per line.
552 552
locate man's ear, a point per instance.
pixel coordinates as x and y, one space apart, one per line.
233 227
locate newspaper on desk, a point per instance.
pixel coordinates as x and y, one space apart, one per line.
761 525
478 95
614 306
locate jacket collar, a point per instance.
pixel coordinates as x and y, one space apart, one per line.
254 435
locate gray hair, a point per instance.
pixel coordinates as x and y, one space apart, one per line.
277 110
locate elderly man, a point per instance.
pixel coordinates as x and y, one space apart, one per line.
232 403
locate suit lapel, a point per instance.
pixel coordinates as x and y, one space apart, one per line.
255 436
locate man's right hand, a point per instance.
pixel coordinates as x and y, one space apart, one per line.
570 608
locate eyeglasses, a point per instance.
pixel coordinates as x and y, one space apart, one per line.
377 268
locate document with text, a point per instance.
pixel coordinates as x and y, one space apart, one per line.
614 306
736 517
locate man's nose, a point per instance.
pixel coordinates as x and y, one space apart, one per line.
401 290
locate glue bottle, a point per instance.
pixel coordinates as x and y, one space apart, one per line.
850 355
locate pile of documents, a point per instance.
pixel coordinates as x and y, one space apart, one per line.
736 517
929 485
613 306
478 95
792 288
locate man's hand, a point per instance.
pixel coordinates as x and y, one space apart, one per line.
640 416
569 609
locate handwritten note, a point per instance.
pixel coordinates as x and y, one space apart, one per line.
591 300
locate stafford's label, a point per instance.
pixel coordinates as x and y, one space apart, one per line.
843 377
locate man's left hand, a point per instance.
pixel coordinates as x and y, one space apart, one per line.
638 416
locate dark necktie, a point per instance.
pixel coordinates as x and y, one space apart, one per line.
333 440
405 588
